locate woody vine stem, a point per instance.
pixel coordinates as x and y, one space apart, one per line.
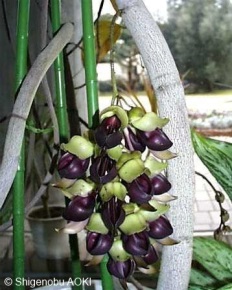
22 107
176 260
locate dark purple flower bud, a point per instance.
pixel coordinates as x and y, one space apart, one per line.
132 142
72 167
136 244
151 257
121 270
98 244
80 208
155 140
140 190
112 214
103 169
160 228
111 124
107 134
160 184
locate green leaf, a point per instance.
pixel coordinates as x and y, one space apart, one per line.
217 157
196 287
200 278
215 257
226 287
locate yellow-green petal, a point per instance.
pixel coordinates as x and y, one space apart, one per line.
154 166
118 111
79 146
149 122
80 187
135 114
126 156
131 170
133 223
111 189
130 208
117 252
159 209
96 224
115 152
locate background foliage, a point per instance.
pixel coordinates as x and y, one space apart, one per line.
198 35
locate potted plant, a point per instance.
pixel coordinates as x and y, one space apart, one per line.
47 242
45 216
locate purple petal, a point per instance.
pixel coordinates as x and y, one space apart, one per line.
136 244
79 208
121 270
112 214
140 190
160 228
72 167
98 244
155 140
151 257
160 184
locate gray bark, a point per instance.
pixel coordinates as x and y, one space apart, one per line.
176 260
22 107
7 60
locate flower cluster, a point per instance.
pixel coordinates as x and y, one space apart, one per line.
113 177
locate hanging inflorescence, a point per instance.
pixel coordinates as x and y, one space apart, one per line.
114 177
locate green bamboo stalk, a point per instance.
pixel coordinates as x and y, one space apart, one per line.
90 63
92 98
61 110
107 281
61 106
18 185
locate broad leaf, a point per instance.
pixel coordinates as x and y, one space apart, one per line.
193 287
226 287
103 36
215 257
217 157
203 279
